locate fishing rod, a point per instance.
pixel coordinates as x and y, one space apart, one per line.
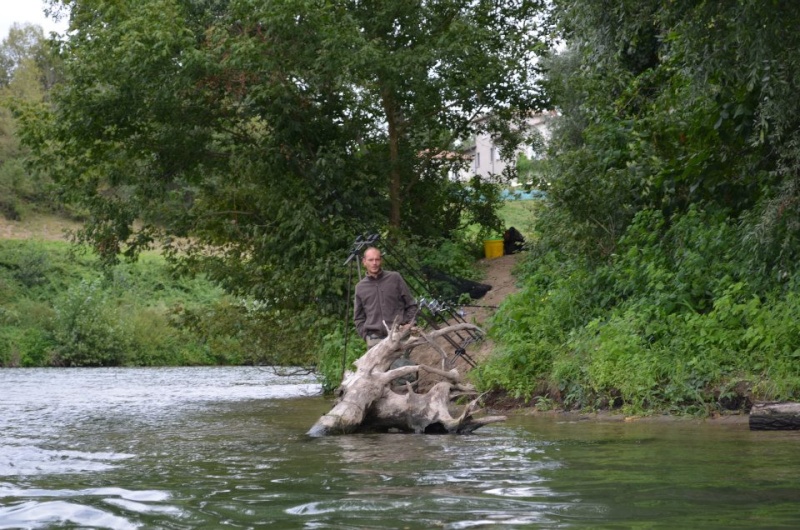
433 311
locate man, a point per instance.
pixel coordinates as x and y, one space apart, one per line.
381 296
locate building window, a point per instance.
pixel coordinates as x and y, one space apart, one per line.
477 160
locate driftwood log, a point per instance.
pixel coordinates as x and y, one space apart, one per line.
370 400
775 417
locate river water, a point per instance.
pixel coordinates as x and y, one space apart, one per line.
190 448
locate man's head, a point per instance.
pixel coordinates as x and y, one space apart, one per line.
372 261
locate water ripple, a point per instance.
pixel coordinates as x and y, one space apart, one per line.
211 448
31 460
31 514
40 508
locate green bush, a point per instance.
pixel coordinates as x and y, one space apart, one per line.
532 325
88 329
154 342
21 188
25 347
671 322
33 267
57 307
331 363
10 354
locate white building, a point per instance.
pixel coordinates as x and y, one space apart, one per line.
484 154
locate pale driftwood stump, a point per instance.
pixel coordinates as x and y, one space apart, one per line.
775 417
367 400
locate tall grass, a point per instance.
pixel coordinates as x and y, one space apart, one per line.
57 308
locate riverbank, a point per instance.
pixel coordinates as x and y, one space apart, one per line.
499 273
35 254
60 309
163 315
502 406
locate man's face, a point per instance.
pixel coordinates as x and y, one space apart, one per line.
372 261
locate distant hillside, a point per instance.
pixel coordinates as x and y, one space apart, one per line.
41 226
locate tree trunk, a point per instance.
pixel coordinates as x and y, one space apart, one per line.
393 125
367 399
775 417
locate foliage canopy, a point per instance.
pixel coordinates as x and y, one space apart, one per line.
665 270
255 140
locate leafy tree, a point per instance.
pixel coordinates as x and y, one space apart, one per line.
666 105
22 43
27 71
431 69
253 140
666 260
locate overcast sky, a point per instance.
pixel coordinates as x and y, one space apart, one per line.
31 11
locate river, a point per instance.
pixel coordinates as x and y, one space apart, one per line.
187 448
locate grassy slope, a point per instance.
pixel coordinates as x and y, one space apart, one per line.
57 307
37 226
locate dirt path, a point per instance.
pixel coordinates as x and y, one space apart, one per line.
498 274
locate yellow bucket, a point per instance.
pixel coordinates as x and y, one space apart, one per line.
493 248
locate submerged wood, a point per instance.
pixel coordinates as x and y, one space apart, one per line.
367 401
775 417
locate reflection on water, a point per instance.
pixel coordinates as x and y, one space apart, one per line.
32 460
45 511
451 481
210 447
